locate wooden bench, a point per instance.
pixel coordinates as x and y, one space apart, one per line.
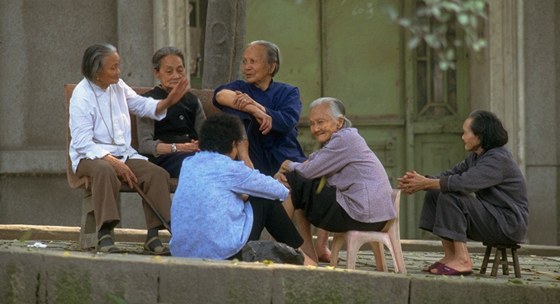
88 231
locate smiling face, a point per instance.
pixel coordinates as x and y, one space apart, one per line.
322 124
110 71
255 66
171 71
471 141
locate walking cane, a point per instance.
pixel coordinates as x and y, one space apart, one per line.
148 201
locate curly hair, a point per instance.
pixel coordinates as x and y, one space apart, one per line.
218 133
489 129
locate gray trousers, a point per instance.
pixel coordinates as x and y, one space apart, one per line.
460 217
105 186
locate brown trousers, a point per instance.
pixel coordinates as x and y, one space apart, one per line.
105 185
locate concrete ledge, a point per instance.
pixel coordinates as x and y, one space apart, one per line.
42 276
66 233
39 232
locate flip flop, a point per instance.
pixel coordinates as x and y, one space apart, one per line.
443 269
433 266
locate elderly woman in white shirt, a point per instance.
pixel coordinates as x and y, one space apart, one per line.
101 144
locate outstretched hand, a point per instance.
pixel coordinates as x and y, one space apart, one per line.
179 91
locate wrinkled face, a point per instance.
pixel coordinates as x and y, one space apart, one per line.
171 71
471 141
110 71
322 124
255 67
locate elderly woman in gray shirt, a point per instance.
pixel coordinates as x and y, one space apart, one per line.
341 187
497 213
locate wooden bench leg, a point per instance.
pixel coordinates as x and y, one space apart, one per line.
88 231
485 260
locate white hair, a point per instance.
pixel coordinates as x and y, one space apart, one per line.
336 107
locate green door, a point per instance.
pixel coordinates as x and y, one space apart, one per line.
350 50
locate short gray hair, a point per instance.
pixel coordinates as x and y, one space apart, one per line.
166 51
336 106
92 61
272 53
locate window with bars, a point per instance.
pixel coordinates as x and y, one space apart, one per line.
436 89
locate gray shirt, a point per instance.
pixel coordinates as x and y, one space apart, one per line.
495 179
362 186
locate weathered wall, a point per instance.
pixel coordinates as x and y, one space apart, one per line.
42 42
542 87
41 45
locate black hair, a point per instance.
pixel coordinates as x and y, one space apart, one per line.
218 133
489 129
92 61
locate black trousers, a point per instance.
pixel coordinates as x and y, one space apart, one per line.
321 208
270 214
460 217
171 162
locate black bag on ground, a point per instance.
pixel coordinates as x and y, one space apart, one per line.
273 251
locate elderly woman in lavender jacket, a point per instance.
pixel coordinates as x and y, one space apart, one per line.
341 187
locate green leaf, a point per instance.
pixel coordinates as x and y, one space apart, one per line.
413 42
463 19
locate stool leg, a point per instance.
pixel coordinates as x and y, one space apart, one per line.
515 263
504 261
485 260
494 271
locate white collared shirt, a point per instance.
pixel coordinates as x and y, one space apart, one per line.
100 120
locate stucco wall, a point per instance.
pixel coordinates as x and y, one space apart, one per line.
541 48
41 46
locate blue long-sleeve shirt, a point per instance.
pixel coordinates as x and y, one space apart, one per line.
283 104
209 219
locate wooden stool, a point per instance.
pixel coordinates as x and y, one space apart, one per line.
500 248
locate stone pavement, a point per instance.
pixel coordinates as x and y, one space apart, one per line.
540 265
56 249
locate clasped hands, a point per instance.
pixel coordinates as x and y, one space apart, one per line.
411 182
245 103
191 146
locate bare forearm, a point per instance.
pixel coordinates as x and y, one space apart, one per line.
431 184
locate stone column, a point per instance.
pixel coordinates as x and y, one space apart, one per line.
171 27
506 79
225 39
541 50
134 31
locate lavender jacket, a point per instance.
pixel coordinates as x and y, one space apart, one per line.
362 186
